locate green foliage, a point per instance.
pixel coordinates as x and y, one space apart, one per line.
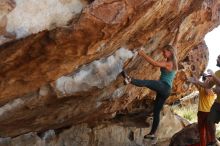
217 132
187 112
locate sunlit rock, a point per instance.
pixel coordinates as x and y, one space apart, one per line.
22 18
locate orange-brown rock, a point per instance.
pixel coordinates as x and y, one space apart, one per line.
97 45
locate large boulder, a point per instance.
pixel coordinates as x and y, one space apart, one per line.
61 60
187 136
123 130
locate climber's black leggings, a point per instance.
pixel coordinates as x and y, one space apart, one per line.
163 91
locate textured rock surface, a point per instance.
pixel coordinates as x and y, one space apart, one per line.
20 18
189 135
86 54
123 131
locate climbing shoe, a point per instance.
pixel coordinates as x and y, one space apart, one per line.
127 80
149 136
126 76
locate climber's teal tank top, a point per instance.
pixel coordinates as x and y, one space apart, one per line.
167 76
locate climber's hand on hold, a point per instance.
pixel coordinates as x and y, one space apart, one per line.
141 52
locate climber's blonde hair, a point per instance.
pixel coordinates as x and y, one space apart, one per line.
174 55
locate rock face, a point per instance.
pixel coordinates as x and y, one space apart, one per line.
113 133
21 18
56 72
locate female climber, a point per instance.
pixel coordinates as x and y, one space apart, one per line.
162 86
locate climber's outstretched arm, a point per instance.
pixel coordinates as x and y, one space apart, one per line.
163 64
